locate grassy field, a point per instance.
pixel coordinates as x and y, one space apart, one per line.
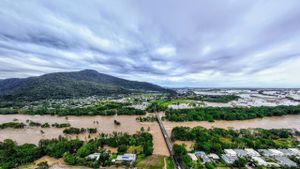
151 162
166 103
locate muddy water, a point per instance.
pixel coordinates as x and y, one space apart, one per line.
105 124
289 121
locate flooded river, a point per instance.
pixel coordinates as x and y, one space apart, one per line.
105 124
289 121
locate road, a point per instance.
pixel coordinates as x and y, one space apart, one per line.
168 142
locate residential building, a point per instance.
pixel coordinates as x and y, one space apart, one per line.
126 157
251 152
276 152
284 161
265 152
213 156
94 156
295 151
240 152
287 152
228 159
260 161
193 156
230 152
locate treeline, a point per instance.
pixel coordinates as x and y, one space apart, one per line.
215 98
228 113
215 140
74 152
17 125
103 108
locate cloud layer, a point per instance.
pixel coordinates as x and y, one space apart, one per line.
210 43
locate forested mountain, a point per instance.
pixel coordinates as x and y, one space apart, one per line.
71 84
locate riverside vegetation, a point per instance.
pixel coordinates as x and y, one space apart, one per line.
229 113
101 108
74 151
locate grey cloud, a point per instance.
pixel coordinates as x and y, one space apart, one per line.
120 38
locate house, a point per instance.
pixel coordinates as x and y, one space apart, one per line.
287 152
295 151
230 152
265 152
260 161
193 156
205 159
228 159
200 153
126 157
284 161
213 156
94 156
240 152
276 152
251 152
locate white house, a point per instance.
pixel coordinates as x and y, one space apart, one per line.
230 152
260 161
193 156
126 157
276 152
252 153
94 156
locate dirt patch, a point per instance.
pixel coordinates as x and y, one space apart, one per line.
111 149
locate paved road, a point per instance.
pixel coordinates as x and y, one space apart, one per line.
168 142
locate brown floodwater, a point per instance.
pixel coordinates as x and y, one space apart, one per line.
288 121
105 124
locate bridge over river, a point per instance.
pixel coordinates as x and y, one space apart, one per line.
168 142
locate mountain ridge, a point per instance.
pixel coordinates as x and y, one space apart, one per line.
62 85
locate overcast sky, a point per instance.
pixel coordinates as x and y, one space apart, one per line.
200 43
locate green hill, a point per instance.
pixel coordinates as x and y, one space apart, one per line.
71 84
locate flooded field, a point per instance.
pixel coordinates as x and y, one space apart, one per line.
104 124
289 121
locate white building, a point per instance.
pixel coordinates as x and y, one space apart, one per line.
260 161
284 161
251 152
126 157
94 156
276 152
229 159
213 156
230 152
193 156
295 151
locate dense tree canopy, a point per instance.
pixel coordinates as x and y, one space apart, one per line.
228 113
217 139
74 151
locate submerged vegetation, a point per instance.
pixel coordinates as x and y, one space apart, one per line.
18 125
15 125
73 130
